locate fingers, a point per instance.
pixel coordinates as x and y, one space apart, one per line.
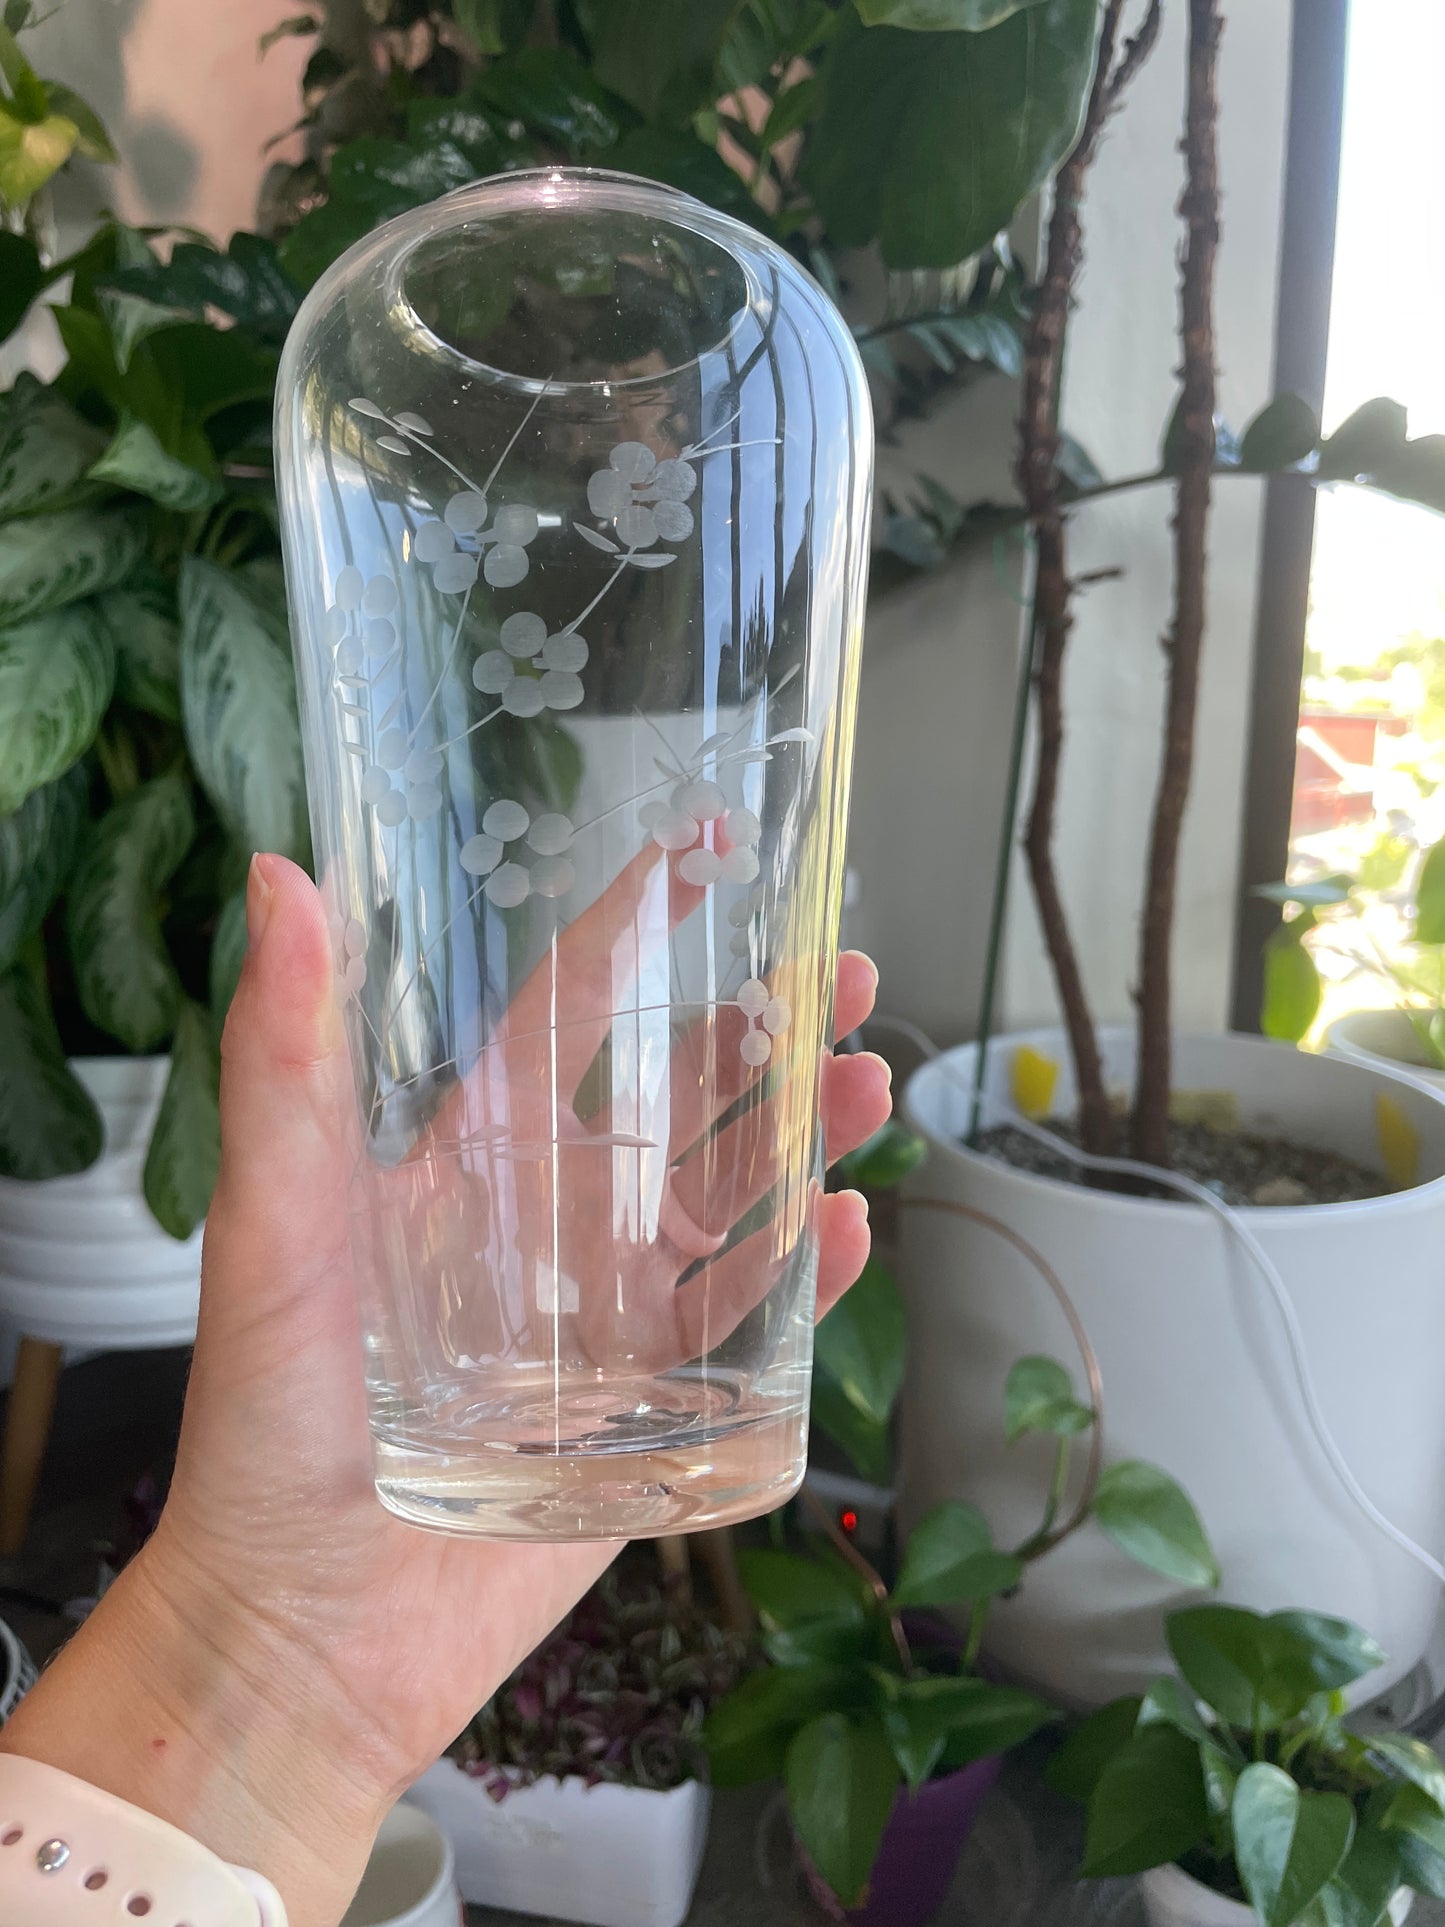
283 1072
856 992
844 1242
857 1101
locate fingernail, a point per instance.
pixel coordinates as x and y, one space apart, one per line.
258 902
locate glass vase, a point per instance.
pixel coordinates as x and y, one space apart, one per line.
575 480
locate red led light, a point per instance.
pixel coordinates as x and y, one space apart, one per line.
848 1519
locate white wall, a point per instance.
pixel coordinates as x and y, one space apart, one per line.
1119 389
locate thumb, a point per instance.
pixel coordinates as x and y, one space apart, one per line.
277 1221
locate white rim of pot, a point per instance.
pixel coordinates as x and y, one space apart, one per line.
1117 1205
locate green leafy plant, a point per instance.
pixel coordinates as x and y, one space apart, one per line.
1332 911
1240 1768
856 1703
860 1349
148 732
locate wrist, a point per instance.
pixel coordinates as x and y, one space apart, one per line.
174 1698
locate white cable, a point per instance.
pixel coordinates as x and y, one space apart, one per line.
1000 1113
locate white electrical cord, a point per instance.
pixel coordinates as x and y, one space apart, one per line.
999 1113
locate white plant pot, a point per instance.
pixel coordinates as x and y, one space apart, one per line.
82 1261
1173 1898
1195 1367
611 1856
1386 1039
411 1877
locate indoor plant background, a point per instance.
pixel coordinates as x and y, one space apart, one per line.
1175 1308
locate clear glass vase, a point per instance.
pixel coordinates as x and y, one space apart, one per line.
575 482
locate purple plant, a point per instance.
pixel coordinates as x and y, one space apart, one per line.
618 1693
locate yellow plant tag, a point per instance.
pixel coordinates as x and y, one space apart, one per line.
1034 1078
1399 1142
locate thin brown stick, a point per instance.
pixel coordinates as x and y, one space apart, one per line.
871 1577
1040 484
1199 209
1087 1355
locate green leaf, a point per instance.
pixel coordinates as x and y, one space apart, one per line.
1287 1844
861 1439
1282 434
1150 1517
246 282
93 370
21 279
493 26
49 560
553 95
1148 1805
1168 1703
899 153
1360 1892
1418 1829
1076 1768
842 1780
49 1125
1292 987
1039 1397
863 1341
886 1159
1364 442
56 675
747 1732
228 953
185 1147
140 620
786 1588
136 460
939 16
1414 1761
932 1722
1430 896
660 56
238 704
950 1558
1337 1653
1240 1663
91 138
45 448
127 982
38 843
32 153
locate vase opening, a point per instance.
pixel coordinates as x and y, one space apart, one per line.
555 293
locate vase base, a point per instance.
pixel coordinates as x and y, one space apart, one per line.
644 1494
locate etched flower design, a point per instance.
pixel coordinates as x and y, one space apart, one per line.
541 867
556 659
401 781
680 824
645 502
745 916
768 1017
349 938
460 546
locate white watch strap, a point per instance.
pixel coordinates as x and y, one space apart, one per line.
73 1856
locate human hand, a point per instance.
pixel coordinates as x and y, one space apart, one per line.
285 1657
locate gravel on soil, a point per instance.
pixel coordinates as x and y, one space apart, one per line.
1240 1167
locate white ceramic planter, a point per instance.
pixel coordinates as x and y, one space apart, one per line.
82 1261
411 1878
1386 1039
611 1856
1173 1898
1195 1367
